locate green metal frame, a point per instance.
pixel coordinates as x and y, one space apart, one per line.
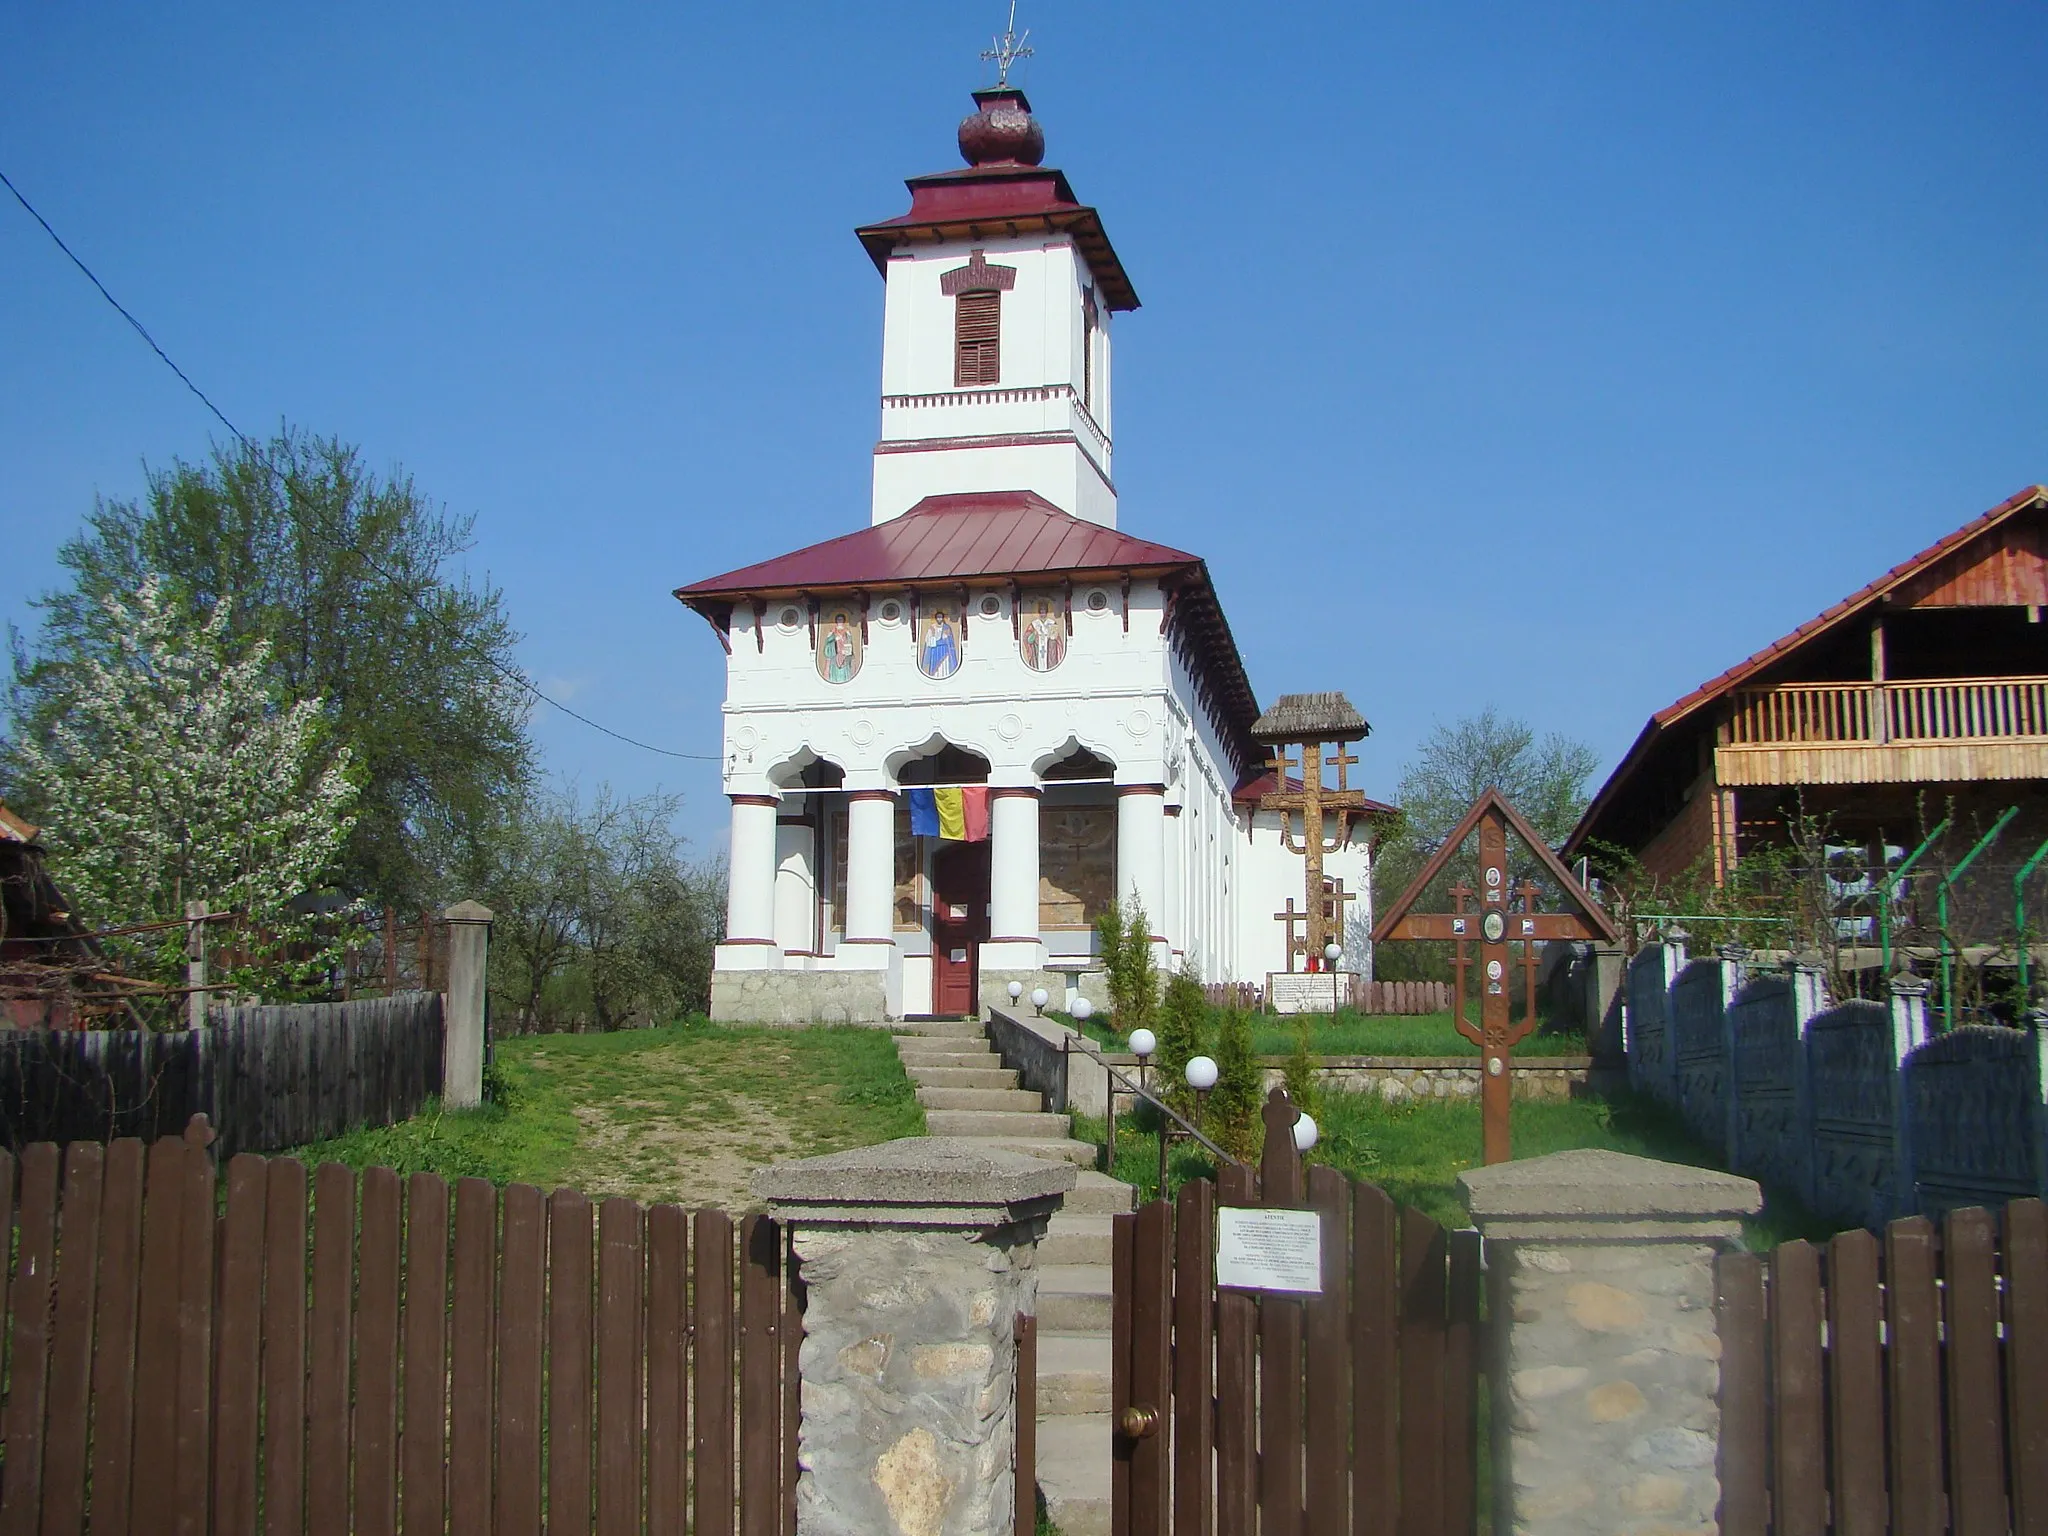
1948 950
2019 916
1890 885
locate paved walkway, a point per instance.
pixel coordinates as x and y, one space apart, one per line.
966 1091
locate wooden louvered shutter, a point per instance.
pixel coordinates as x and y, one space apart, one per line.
977 324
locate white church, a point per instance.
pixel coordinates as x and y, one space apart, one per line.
954 736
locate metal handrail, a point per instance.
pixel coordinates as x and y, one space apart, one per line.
1116 1076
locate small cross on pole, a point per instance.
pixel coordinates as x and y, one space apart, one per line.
1008 49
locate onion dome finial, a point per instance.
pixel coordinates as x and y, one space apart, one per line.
1003 131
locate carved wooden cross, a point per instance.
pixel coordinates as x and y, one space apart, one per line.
1314 802
1293 920
1495 926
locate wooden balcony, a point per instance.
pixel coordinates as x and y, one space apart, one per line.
1952 729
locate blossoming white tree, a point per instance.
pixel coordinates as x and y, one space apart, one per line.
176 776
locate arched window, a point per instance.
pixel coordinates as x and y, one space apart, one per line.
977 337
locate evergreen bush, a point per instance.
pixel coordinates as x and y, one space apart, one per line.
1232 1116
1183 1015
1124 938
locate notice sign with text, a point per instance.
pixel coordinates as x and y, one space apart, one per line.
1269 1250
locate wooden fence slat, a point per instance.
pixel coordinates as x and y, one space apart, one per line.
1152 1367
1976 1424
760 1376
1024 1481
1327 1432
472 1356
238 1349
1856 1384
570 1234
423 1443
1745 1409
21 1496
711 1414
284 1347
1123 1239
668 1404
522 1280
1194 1358
1912 1318
621 1351
197 1244
1237 1319
2026 1362
77 1276
1375 1364
113 1358
1424 1262
792 1380
376 1397
1799 1474
1461 1386
327 1350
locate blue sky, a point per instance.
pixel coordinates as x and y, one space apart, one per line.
1550 356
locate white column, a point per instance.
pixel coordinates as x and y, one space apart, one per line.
1013 943
1141 852
750 888
1175 924
870 879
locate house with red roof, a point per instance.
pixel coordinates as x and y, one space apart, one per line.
953 736
1921 696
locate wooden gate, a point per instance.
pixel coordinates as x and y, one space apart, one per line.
183 1359
1353 1411
1889 1382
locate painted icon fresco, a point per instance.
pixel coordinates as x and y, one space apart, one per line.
938 646
839 647
1042 636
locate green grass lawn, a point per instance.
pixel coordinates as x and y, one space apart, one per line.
1360 1034
683 1113
1415 1151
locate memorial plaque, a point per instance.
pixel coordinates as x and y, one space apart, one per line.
1270 1250
1306 991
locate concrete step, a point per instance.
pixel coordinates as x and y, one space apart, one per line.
1073 1472
1075 1298
1073 1373
1076 1239
1015 1100
1097 1194
964 1077
1002 1123
980 1061
941 1029
1079 1153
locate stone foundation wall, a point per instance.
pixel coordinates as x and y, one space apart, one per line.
798 997
1398 1080
1611 1421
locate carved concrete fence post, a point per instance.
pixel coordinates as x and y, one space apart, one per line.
917 1257
469 957
1600 1270
1734 960
1908 1007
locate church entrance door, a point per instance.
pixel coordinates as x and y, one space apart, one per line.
960 897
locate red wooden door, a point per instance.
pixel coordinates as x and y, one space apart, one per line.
960 881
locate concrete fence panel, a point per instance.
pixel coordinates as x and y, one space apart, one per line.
1973 1117
1651 1060
1768 1080
1699 1036
1852 1084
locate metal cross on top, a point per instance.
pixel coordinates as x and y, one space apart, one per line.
1008 49
1496 924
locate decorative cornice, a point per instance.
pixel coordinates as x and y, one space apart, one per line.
871 794
767 800
1015 792
977 274
1141 789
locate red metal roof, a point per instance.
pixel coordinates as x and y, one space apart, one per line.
1850 606
985 201
950 538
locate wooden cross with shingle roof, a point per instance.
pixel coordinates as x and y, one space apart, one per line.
1496 926
1311 723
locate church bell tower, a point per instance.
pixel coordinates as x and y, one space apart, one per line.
999 287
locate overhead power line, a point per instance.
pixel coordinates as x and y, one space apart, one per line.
510 674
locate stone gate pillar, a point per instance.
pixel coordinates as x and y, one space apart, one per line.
917 1257
1600 1273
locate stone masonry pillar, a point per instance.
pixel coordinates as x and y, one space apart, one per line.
1141 854
750 886
917 1256
871 872
462 1051
1600 1269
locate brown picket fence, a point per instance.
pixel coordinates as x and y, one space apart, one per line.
1893 1382
1354 1410
275 1351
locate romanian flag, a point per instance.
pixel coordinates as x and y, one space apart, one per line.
924 813
952 815
974 811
